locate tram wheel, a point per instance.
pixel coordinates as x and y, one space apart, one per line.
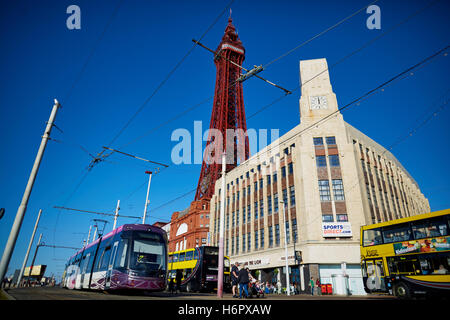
402 290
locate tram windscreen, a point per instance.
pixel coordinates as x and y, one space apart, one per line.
148 256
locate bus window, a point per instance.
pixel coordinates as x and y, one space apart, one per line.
181 258
397 233
189 255
404 265
371 237
436 227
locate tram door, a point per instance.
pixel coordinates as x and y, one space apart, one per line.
375 275
110 265
84 268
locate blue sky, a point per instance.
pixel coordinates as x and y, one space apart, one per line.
41 58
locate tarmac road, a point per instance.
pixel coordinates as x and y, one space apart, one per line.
58 293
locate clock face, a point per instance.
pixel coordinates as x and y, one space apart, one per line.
318 102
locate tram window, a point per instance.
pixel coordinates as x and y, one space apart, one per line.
430 228
372 237
189 255
182 255
397 233
196 255
121 255
105 259
175 257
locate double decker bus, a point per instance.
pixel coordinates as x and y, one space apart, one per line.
132 256
408 256
199 267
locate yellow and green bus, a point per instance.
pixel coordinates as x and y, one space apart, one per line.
408 256
199 268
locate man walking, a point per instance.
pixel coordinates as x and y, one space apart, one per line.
234 278
243 281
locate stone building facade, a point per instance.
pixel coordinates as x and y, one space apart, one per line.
332 180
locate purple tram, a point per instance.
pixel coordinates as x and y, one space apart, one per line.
132 256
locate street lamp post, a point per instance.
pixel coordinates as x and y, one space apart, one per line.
221 230
288 289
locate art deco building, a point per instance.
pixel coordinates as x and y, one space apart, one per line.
332 179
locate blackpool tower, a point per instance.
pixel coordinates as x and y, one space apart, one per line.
190 227
228 115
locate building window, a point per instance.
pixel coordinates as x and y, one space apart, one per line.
327 218
256 186
285 197
290 168
277 234
268 180
249 213
283 172
324 190
338 190
262 238
287 232
330 140
275 202
269 205
321 161
334 160
341 217
243 214
256 240
237 217
294 229
270 236
256 210
318 141
261 208
274 177
249 242
292 195
243 243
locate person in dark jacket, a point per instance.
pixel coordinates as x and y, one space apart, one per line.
243 281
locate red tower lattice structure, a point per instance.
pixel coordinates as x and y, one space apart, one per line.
228 125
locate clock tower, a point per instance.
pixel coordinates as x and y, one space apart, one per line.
318 99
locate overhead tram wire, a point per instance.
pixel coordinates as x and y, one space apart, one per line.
72 87
193 107
277 100
161 84
370 92
359 99
365 45
319 34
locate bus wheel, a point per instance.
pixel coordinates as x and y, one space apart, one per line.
401 290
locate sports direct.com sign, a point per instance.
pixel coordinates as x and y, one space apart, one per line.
336 229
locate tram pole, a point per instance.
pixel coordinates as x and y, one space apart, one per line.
146 198
34 258
11 243
29 248
117 213
221 230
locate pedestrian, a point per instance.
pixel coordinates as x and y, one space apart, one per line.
171 286
312 284
243 281
319 287
179 275
234 279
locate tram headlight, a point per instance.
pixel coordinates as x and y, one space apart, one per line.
133 273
